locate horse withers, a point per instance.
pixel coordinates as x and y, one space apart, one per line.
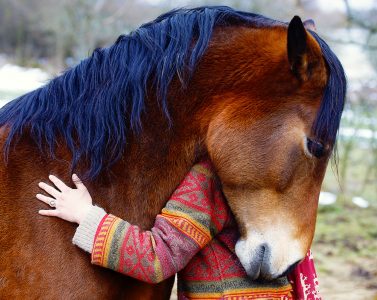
261 98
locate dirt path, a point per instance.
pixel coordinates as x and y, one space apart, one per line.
339 278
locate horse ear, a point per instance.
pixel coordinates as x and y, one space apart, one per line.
297 46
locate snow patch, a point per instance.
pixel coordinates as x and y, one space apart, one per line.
15 78
360 202
326 198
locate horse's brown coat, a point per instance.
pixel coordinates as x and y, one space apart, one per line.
242 108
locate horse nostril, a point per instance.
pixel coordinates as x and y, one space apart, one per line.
264 253
290 268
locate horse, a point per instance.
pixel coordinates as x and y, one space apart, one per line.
262 99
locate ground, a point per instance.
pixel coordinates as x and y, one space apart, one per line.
345 250
348 280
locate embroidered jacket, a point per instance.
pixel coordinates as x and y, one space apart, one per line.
194 236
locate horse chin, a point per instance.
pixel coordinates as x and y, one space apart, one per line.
262 264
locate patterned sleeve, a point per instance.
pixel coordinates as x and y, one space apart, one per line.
304 280
195 213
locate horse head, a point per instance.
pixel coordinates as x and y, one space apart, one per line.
270 138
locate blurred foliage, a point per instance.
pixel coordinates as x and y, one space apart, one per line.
62 32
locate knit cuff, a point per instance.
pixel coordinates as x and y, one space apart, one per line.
85 233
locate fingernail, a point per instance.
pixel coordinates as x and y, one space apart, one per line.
74 175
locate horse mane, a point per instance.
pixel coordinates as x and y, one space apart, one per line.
326 126
94 106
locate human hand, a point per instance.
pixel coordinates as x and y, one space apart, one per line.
70 204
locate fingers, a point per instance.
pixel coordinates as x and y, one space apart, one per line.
49 189
78 183
58 183
49 213
44 198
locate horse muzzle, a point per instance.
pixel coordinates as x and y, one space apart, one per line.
266 261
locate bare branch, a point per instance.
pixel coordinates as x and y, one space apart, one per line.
358 21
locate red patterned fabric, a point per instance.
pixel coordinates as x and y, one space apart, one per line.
194 236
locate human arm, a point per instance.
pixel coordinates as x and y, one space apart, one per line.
194 214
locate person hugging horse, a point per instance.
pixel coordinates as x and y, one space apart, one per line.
195 236
230 115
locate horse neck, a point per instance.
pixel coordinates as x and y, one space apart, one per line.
154 164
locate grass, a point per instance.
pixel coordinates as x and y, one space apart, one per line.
350 232
345 248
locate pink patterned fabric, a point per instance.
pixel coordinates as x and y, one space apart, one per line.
304 279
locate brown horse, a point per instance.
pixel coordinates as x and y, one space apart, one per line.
260 98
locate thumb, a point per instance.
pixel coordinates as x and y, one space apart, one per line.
78 183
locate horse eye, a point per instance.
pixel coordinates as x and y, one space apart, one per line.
315 148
